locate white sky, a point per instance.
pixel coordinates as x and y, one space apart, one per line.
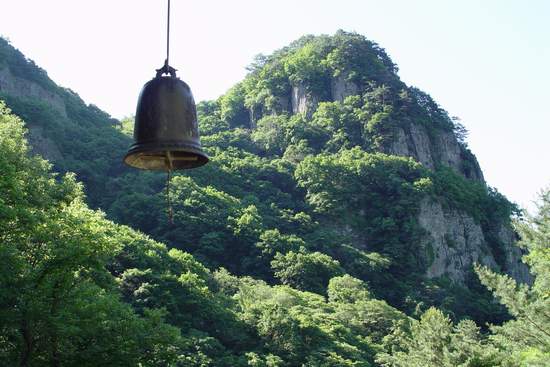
484 61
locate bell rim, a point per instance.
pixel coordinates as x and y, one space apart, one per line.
165 146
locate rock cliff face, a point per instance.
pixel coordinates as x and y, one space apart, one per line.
42 144
440 147
18 87
302 101
340 88
512 255
409 139
305 102
454 242
22 88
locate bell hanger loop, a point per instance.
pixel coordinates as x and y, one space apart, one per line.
166 68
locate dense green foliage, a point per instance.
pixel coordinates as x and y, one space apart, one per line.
58 300
526 339
79 290
297 245
434 341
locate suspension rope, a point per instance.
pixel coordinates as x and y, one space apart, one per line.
168 35
167 69
168 201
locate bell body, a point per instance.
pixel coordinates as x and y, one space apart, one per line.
166 131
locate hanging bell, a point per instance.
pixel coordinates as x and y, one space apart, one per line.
166 131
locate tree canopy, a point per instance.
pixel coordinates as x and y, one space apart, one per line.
299 244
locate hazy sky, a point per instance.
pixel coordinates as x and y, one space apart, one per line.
484 61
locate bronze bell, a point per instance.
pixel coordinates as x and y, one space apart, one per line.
166 131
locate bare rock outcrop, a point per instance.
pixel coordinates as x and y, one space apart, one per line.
22 88
43 145
302 101
438 148
19 87
454 242
512 255
413 142
341 87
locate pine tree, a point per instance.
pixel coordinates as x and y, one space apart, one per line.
526 339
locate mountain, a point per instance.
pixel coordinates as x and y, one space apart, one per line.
62 128
318 96
333 188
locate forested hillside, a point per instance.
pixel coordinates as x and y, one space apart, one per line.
340 207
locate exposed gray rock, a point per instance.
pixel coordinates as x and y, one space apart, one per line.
442 147
22 88
400 144
455 242
18 87
254 116
422 147
473 172
448 150
414 143
410 139
302 101
342 88
513 254
43 145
